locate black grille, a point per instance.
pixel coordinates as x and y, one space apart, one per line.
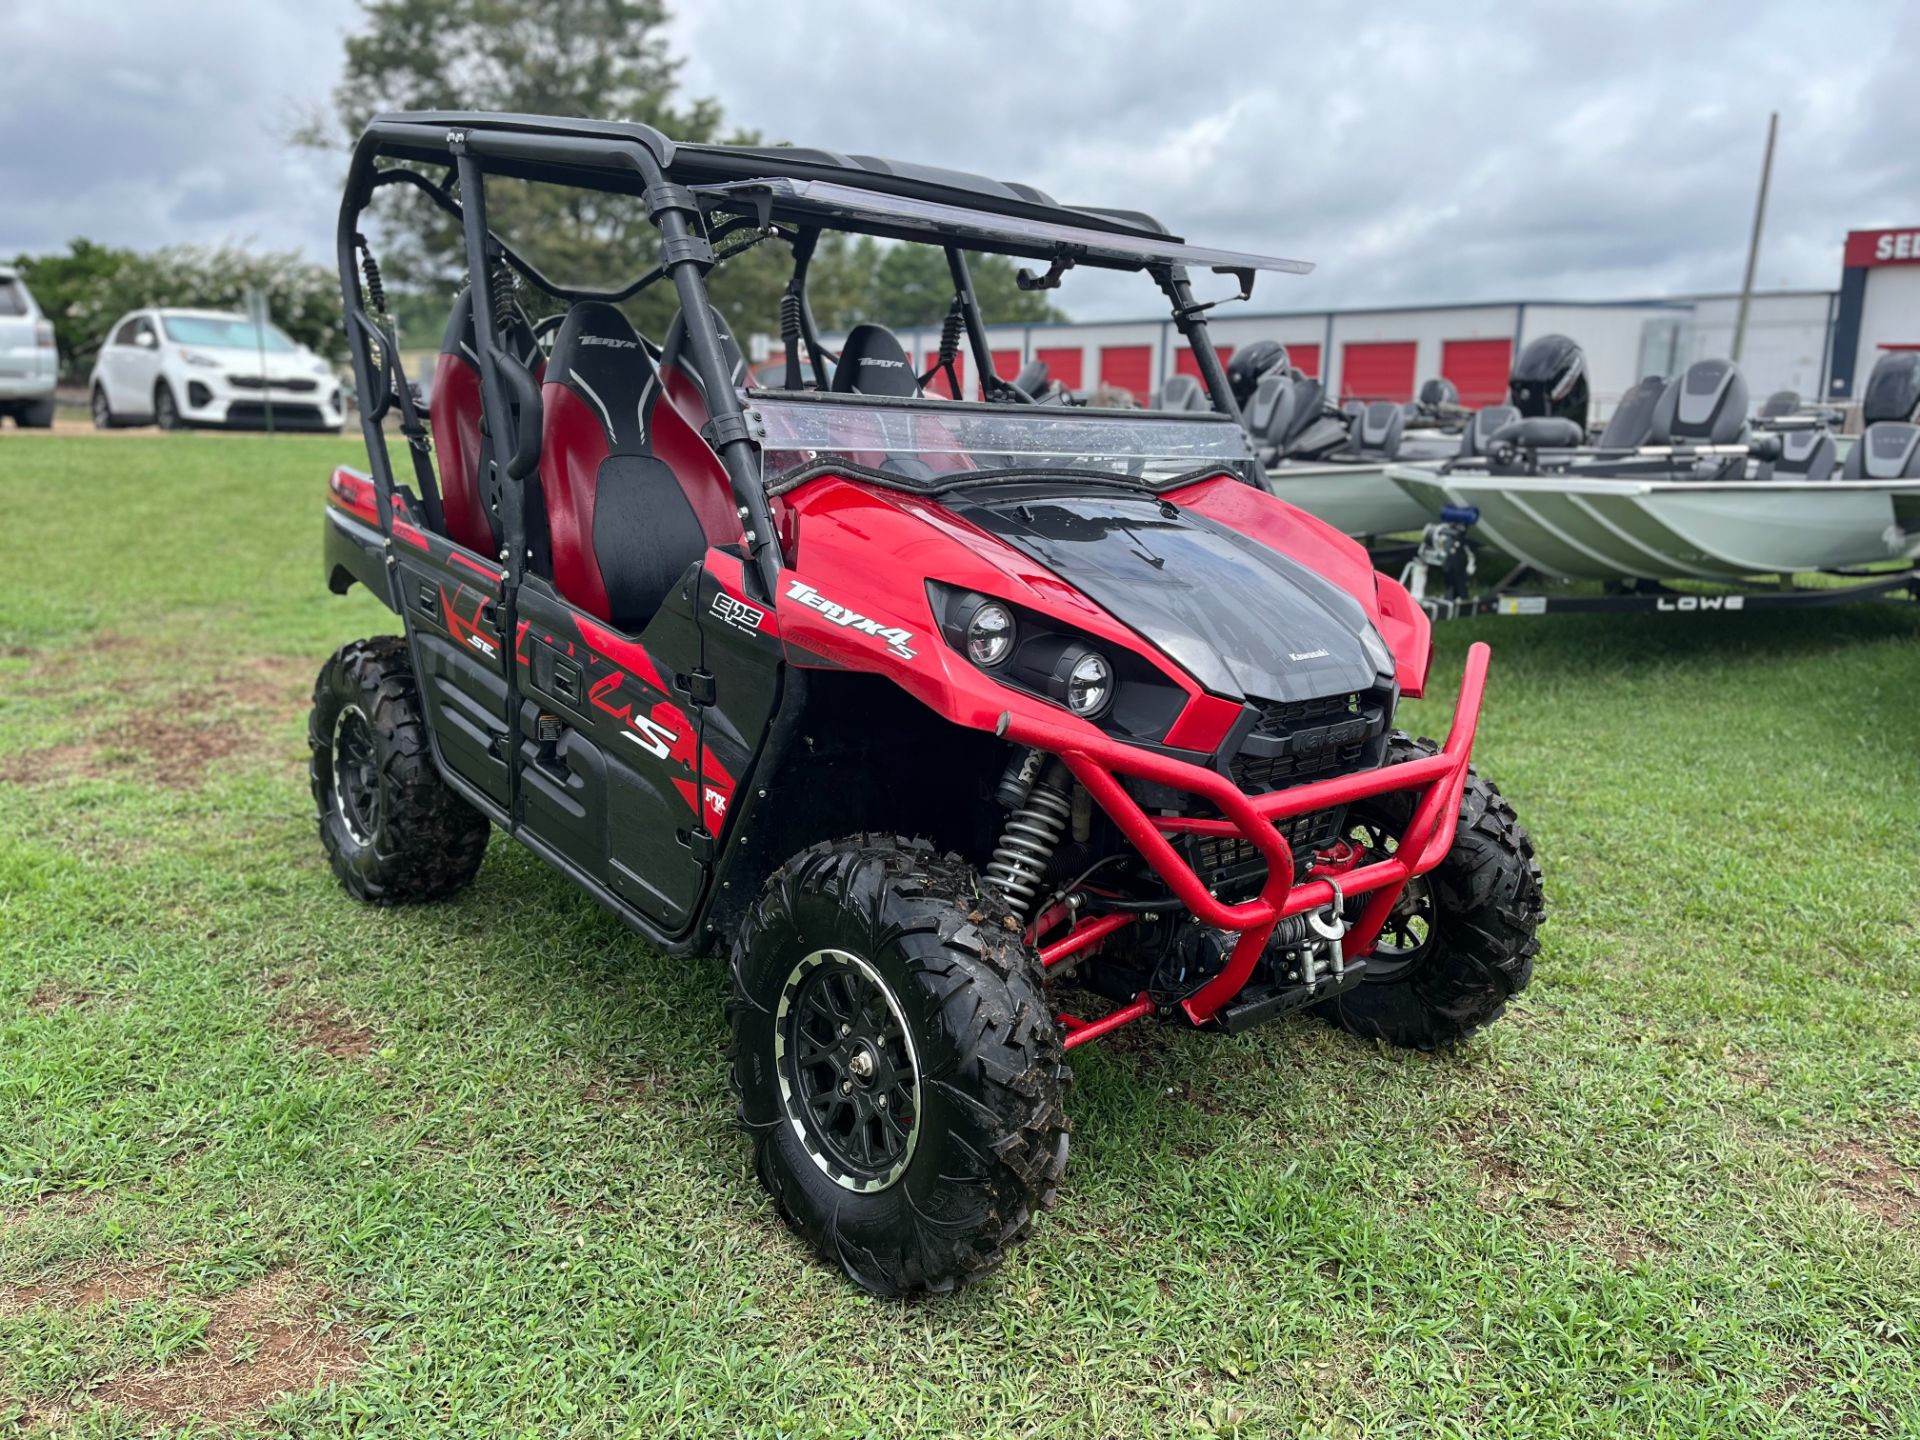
1294 741
254 382
1221 860
251 414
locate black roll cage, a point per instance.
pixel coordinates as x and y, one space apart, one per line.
681 186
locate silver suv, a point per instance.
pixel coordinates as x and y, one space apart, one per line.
29 363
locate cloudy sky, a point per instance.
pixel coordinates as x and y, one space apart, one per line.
1418 153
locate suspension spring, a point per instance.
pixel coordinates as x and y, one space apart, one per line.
950 335
501 286
789 317
370 269
1026 847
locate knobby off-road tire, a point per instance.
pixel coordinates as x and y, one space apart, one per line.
391 828
943 969
1462 942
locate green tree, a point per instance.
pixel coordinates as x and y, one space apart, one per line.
89 287
605 60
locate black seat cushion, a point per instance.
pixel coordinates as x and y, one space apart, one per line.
1481 426
1377 430
1806 455
874 362
1710 405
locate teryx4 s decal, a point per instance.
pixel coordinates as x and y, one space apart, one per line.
899 641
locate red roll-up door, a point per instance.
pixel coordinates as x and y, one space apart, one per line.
1129 368
1006 364
1306 359
1478 369
1063 364
1377 370
1185 364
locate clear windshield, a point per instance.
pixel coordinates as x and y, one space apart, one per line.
934 442
219 332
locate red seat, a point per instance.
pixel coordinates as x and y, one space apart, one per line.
634 495
454 412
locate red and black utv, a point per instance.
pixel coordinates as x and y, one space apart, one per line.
921 711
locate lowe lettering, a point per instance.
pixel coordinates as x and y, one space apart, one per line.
1681 603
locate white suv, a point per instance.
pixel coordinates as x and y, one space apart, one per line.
29 365
180 368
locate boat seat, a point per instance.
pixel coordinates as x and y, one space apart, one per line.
874 362
1889 450
1893 389
630 484
1271 412
678 365
469 496
1705 406
1631 423
1438 394
1481 426
1805 454
1377 430
1780 402
1182 392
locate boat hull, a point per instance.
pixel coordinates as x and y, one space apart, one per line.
1357 499
1595 528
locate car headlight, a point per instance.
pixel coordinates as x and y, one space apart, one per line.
1377 651
1088 682
990 634
194 357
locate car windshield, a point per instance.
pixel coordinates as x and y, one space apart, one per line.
224 332
930 443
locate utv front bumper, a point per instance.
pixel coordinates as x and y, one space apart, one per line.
1097 763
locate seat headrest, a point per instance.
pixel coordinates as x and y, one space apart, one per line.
1631 423
1710 406
1438 392
874 362
1889 450
1183 392
1780 402
602 359
1805 454
1480 428
1378 428
1271 409
1309 399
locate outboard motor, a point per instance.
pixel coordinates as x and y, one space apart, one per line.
1893 389
1550 378
1249 366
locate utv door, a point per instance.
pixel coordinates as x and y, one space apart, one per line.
451 599
610 755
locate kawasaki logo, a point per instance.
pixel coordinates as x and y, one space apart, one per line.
1307 655
899 641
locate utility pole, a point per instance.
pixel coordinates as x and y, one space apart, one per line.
1753 245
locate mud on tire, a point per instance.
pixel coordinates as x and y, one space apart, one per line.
946 964
391 828
1467 928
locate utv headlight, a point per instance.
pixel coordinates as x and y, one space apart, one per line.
1088 684
990 634
1377 651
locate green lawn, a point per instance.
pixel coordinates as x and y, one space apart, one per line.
471 1169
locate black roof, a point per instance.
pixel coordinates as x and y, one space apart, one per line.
423 135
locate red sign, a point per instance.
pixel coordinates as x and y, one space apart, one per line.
1883 247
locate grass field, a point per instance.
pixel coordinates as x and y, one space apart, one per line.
271 1163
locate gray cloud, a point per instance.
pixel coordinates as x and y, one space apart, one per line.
1470 151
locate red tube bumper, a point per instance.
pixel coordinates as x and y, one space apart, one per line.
1098 761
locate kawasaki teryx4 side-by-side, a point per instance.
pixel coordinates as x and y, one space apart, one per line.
922 712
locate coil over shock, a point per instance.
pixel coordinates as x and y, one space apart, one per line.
1036 794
